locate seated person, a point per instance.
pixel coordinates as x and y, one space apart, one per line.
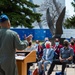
73 46
47 58
30 47
66 56
39 49
57 46
40 52
43 44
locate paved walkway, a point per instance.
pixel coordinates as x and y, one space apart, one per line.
69 71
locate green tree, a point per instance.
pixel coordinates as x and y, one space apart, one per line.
73 4
20 12
70 22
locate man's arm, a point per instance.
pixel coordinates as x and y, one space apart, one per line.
19 45
70 58
71 54
43 57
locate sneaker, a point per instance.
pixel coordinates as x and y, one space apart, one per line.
73 67
59 73
67 65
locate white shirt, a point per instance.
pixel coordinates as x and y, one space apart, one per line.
47 53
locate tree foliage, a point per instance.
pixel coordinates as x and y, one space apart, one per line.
70 22
53 11
20 12
73 4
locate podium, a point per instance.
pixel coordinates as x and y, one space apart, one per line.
27 57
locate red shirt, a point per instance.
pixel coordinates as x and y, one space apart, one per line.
57 48
73 46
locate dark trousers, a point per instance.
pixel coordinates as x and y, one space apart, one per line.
1 71
58 63
74 59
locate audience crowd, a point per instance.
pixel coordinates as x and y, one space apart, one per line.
48 52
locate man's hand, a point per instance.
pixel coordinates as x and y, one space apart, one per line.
61 60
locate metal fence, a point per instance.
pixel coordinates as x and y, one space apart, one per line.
38 34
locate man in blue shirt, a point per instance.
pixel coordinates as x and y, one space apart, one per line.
66 56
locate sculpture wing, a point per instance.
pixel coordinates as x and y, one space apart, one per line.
59 22
49 22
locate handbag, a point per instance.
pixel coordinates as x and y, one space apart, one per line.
36 72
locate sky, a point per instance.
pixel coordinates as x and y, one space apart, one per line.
69 8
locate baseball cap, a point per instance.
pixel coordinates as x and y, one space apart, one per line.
3 18
66 41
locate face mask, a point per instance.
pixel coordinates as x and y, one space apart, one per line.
66 44
36 45
56 43
72 43
47 46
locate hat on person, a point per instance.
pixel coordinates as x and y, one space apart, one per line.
66 41
46 39
3 18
